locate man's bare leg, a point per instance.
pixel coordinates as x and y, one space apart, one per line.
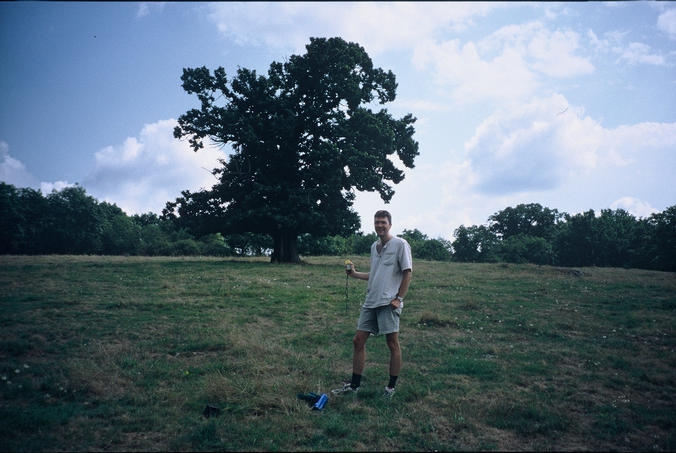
395 353
359 357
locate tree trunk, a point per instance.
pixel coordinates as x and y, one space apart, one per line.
286 248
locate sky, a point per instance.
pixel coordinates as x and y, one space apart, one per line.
569 105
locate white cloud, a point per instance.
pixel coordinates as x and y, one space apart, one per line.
553 54
545 151
546 143
435 199
13 171
144 8
634 206
639 53
632 141
145 172
47 187
549 52
525 148
471 78
666 22
507 65
421 105
633 53
377 26
597 43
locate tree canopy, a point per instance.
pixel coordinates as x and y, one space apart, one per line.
530 219
304 137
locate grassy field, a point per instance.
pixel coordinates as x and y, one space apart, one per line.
113 353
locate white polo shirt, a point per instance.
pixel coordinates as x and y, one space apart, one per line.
387 271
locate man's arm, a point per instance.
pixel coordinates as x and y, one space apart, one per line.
354 274
403 288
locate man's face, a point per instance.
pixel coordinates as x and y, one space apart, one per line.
382 226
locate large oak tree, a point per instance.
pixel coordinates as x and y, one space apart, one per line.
303 138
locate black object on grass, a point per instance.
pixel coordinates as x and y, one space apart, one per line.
211 411
311 398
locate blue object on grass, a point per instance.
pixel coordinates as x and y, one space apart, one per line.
319 405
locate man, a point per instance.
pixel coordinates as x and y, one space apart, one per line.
388 281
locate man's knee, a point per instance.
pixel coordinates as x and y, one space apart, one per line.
359 340
393 342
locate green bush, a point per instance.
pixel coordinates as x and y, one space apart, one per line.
432 249
214 245
185 247
526 249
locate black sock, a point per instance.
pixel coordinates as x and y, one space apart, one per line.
393 381
356 380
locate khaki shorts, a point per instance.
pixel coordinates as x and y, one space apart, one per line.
380 320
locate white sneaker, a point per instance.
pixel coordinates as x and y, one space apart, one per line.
389 391
346 388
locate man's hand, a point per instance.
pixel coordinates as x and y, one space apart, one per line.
395 303
352 271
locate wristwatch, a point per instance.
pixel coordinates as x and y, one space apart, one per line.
401 299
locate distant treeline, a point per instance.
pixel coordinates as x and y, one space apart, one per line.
531 233
71 222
